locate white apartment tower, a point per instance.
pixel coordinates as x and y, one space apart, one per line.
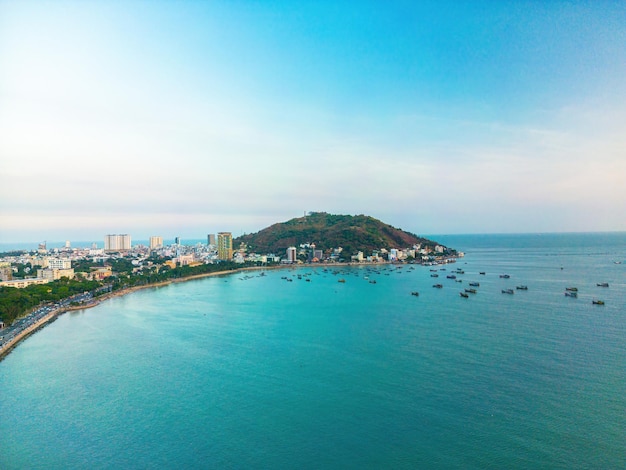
117 242
156 243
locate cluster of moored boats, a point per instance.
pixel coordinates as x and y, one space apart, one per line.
569 291
452 275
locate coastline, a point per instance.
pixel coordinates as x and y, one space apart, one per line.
50 317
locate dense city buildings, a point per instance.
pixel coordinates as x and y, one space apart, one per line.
225 246
115 243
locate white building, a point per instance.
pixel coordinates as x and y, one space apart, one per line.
59 263
117 242
156 243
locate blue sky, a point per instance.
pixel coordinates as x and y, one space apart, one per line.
187 117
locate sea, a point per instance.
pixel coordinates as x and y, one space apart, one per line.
290 368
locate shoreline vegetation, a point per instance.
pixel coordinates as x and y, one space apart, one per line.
7 347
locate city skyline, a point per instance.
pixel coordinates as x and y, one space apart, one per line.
186 118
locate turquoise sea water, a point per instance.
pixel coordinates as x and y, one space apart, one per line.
235 372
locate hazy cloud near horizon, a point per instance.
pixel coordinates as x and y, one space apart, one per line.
186 118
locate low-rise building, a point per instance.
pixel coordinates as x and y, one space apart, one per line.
100 273
59 263
21 283
55 274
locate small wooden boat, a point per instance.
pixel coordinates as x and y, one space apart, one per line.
463 294
597 302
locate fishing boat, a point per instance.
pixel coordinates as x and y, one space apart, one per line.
463 294
482 273
597 302
438 286
505 276
416 294
470 291
451 276
474 284
434 275
341 280
572 289
508 291
602 284
571 294
522 287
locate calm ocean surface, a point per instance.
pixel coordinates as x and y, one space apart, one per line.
230 372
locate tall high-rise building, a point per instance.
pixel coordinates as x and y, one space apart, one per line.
117 242
177 240
156 243
211 239
225 246
291 254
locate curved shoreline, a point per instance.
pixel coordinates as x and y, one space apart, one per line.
50 317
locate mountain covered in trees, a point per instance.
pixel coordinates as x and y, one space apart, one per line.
328 231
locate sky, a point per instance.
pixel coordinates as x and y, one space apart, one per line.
183 118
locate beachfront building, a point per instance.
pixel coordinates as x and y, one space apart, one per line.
113 243
358 257
156 243
225 246
291 254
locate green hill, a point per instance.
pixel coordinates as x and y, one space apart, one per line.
328 231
